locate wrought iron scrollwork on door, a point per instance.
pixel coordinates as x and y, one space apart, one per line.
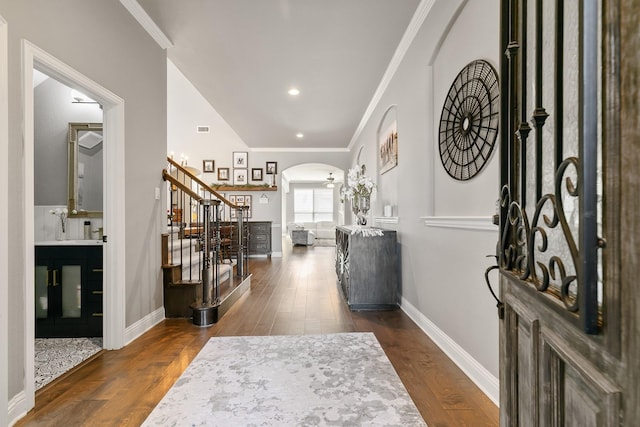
525 247
550 205
499 304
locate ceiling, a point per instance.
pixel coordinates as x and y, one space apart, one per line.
313 172
244 55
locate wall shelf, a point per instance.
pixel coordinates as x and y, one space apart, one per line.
243 188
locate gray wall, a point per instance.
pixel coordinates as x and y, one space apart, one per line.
101 40
442 268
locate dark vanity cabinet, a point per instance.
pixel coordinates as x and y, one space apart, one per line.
68 291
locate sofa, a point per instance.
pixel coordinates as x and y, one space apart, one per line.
320 229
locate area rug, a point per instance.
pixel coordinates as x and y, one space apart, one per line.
310 380
324 242
55 356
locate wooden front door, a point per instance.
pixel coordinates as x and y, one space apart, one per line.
569 233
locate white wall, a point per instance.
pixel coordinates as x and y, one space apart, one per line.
443 286
103 42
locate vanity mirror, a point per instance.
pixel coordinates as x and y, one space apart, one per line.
85 169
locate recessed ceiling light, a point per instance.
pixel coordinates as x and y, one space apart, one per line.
294 92
299 135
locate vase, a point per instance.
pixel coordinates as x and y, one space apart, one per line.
355 208
364 204
61 230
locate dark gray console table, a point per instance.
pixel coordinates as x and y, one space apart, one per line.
367 269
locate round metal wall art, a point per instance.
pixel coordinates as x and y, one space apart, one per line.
469 121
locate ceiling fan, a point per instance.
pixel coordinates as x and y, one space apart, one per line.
329 181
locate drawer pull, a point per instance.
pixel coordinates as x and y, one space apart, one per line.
97 270
96 292
96 314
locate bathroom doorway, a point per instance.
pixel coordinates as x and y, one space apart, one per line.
68 213
113 257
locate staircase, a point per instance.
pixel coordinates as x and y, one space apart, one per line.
204 271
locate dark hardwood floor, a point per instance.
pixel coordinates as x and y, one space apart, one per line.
295 294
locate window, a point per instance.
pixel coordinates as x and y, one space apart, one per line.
312 204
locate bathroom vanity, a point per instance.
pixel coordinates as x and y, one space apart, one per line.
68 289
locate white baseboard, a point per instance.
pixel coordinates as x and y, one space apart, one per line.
17 408
488 383
143 325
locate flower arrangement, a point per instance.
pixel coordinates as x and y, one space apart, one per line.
358 184
358 190
62 213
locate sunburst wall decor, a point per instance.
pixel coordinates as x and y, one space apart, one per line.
469 121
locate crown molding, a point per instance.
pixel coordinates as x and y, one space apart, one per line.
147 23
410 33
297 150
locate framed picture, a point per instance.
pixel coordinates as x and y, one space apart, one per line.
388 148
240 176
208 165
223 174
272 168
240 200
240 159
256 174
247 202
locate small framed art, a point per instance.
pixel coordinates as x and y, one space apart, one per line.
240 159
256 174
272 168
208 165
240 176
223 174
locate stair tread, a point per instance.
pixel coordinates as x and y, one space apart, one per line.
186 283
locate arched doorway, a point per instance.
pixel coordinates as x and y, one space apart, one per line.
311 200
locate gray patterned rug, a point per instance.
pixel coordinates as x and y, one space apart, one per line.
310 380
324 242
55 356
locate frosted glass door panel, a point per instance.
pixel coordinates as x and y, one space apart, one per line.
71 291
42 290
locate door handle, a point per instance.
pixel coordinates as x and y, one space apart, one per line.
500 304
55 278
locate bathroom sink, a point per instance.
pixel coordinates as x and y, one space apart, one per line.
93 242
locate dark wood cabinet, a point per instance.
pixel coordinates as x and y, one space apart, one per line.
68 291
259 237
259 242
367 269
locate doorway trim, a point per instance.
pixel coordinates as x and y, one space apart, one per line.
113 220
4 223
